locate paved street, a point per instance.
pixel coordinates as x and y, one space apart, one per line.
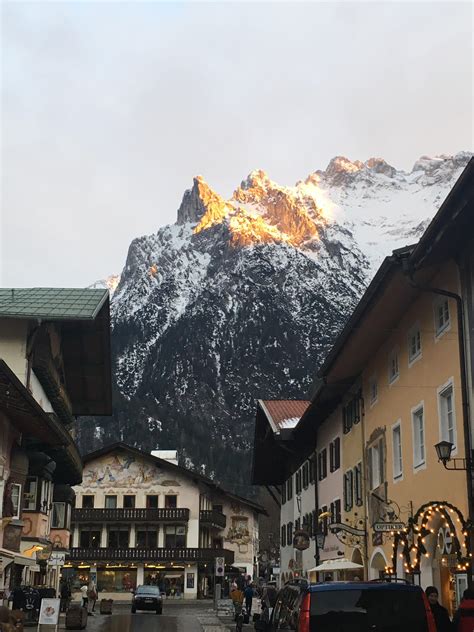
176 617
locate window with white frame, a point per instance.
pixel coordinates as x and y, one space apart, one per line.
58 519
414 343
397 451
373 389
418 437
447 418
393 367
441 315
376 465
15 492
30 494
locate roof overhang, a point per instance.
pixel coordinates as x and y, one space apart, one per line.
87 364
275 452
42 431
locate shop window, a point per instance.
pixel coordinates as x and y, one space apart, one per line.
30 495
175 537
418 437
118 537
147 537
88 501
414 344
115 580
441 315
129 502
111 502
152 501
171 501
447 417
58 519
89 537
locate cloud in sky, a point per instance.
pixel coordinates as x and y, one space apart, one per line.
109 109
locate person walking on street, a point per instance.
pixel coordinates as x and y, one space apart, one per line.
248 593
84 591
464 617
440 614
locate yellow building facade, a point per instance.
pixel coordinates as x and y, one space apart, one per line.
412 397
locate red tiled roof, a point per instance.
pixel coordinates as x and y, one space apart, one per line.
284 410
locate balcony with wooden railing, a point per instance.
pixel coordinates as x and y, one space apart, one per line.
143 554
212 518
175 514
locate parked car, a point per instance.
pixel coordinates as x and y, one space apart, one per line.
147 598
375 606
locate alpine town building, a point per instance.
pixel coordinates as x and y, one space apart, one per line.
397 390
141 518
54 367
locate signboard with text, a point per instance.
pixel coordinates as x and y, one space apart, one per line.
387 527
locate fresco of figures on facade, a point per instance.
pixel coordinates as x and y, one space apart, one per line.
124 471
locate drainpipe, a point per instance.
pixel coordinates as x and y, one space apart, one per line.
464 394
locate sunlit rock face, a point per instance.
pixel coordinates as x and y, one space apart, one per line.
243 298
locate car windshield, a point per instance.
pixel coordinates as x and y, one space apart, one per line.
362 610
148 590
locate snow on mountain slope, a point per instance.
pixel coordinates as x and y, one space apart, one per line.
243 298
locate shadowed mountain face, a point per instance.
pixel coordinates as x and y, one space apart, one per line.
243 298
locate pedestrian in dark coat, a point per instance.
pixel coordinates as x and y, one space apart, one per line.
248 593
440 614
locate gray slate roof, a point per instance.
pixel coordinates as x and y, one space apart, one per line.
50 303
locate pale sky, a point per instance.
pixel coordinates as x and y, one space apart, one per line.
109 109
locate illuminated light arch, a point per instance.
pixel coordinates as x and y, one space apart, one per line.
421 527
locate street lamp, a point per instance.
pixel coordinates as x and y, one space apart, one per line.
444 450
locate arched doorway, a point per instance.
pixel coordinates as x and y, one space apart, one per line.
378 564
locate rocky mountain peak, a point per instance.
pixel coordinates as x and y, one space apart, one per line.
197 201
379 165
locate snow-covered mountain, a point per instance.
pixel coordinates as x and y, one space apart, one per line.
242 298
109 283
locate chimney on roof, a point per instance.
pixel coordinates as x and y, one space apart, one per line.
167 455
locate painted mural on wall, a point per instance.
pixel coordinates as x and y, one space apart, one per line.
124 470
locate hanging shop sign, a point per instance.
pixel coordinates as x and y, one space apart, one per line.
338 526
384 527
301 540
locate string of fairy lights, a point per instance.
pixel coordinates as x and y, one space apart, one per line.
419 528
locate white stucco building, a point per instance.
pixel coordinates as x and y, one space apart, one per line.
141 519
